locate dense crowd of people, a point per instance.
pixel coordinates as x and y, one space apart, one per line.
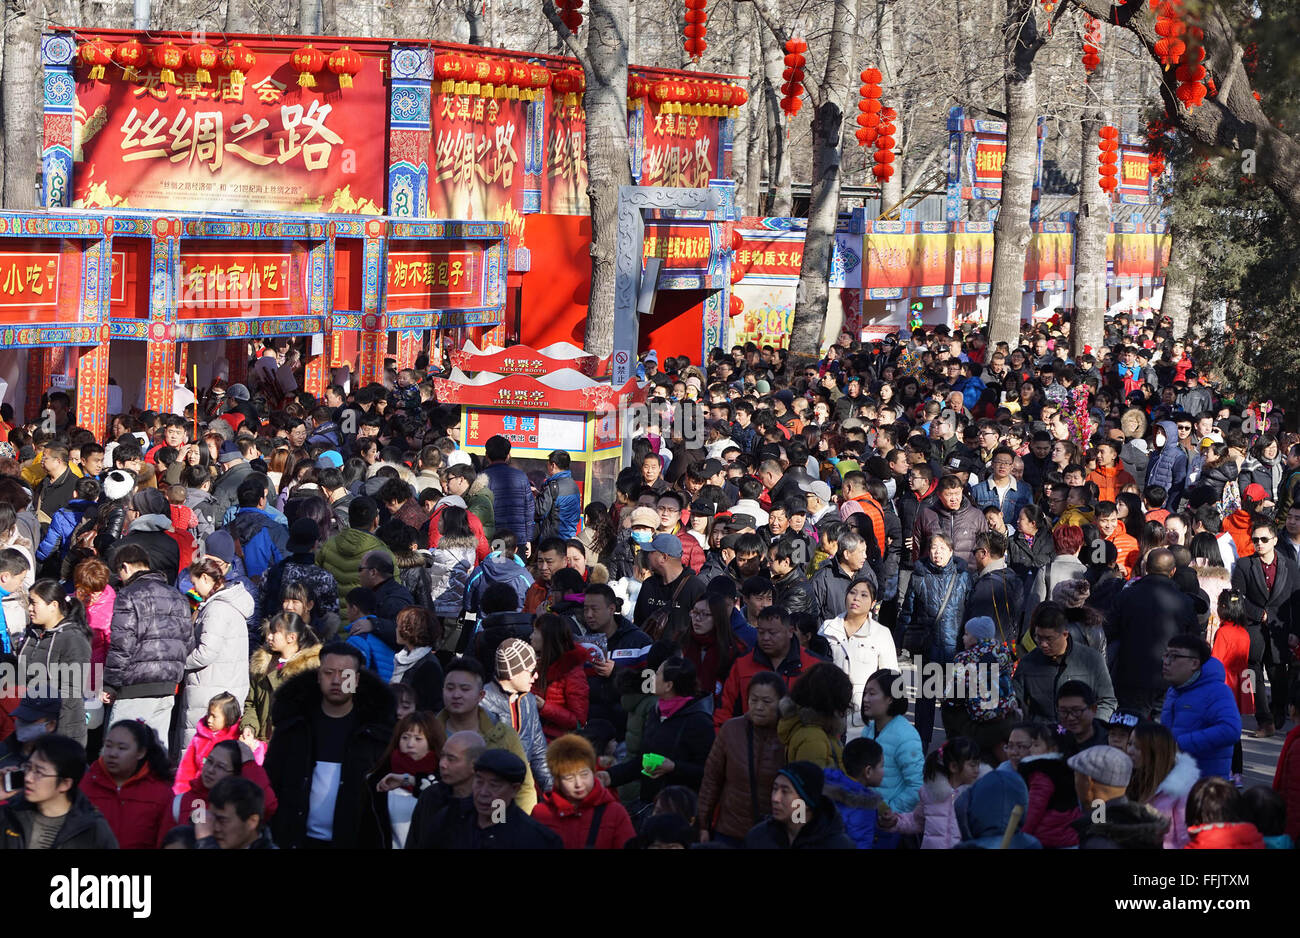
272 621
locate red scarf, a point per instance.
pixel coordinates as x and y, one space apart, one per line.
403 764
667 708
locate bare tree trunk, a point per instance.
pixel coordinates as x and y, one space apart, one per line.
22 84
757 154
607 159
1011 232
633 33
329 17
823 207
740 128
474 16
309 17
967 50
891 190
1180 282
240 17
1093 224
780 200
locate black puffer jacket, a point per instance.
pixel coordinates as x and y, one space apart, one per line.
824 832
84 828
152 634
111 525
290 758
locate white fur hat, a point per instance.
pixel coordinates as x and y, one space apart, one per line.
118 484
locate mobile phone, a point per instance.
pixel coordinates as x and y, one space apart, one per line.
13 780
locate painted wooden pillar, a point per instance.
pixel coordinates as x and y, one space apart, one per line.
316 368
92 390
237 358
39 369
373 340
91 362
160 358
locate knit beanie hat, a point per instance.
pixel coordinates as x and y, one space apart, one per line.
807 780
570 753
515 656
1071 593
982 628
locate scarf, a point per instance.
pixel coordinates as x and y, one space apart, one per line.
668 708
403 660
403 764
709 659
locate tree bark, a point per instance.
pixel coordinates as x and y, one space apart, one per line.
608 158
819 240
1232 119
239 17
309 17
1093 224
740 128
474 17
757 154
22 119
1011 232
1180 282
780 200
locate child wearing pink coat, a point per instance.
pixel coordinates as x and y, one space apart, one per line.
948 771
221 724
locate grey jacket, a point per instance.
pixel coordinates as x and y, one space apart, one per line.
1038 678
54 663
497 703
219 662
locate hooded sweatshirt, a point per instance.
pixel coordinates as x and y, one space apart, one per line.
1168 466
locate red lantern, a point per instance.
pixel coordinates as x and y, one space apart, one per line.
344 63
96 53
203 59
870 76
737 240
539 79
883 171
569 14
130 55
737 305
307 61
736 273
167 58
239 60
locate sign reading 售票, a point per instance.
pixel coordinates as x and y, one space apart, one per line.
262 144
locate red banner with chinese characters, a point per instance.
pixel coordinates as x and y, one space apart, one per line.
990 156
1050 256
519 427
769 257
680 247
1137 254
1134 169
217 284
521 360
476 169
421 276
264 144
564 191
41 284
680 150
904 261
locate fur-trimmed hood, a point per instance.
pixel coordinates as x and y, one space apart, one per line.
1178 783
849 792
458 542
937 789
832 724
1128 825
262 663
299 697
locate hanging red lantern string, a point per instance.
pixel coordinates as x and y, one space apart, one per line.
167 58
739 96
884 157
238 60
737 305
130 55
345 64
97 53
570 14
695 29
1108 157
1092 45
868 107
203 59
792 90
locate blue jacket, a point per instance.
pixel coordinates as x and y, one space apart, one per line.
1203 717
1020 495
495 568
1168 467
924 605
904 759
379 657
64 522
265 541
513 504
984 809
971 388
857 806
559 507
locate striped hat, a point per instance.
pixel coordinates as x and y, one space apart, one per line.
515 656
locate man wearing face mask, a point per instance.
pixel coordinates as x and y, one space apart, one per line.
34 718
1168 465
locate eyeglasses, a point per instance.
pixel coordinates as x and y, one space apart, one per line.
1071 711
1170 656
1261 540
29 768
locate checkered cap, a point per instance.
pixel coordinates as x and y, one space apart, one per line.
515 656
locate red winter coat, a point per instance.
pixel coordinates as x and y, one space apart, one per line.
138 813
1286 780
573 822
183 805
1232 648
1225 837
563 704
692 552
185 544
192 762
481 546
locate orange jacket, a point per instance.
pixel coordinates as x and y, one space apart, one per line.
1238 525
1110 481
1126 546
871 508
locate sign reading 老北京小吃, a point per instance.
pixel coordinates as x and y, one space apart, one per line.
255 140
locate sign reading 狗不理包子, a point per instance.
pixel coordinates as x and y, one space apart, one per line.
260 144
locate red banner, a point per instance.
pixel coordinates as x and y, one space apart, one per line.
521 360
264 144
1134 169
29 281
680 150
519 427
990 156
769 257
221 285
564 191
1050 256
680 247
434 278
903 261
476 170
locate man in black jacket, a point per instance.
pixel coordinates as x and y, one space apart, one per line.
626 646
998 592
455 782
152 634
1147 614
787 558
331 728
148 521
1268 582
489 819
52 813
